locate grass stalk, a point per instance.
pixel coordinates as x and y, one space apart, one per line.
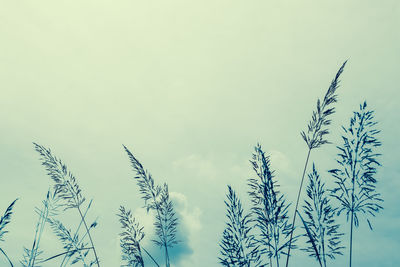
269 208
157 198
90 237
5 255
355 182
238 246
311 238
4 221
64 253
315 134
297 205
351 238
66 187
151 257
66 258
322 231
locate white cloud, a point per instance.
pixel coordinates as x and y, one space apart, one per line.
190 216
196 166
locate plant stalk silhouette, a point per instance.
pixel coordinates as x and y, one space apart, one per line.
67 188
4 220
315 136
321 228
269 208
354 178
157 198
238 246
50 209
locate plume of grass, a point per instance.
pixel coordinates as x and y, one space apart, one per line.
311 239
238 245
321 228
131 236
166 220
50 208
156 198
355 183
73 245
4 220
66 187
316 133
270 210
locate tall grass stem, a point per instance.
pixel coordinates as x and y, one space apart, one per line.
297 204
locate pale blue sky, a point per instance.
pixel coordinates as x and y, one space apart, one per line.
190 87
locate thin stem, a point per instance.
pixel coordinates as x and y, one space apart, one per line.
351 237
64 253
352 193
311 239
90 237
269 250
277 260
276 239
297 204
33 250
39 231
352 212
2 251
66 259
323 247
166 255
151 257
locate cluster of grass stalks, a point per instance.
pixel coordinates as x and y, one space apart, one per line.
156 200
267 223
262 236
269 209
32 256
66 197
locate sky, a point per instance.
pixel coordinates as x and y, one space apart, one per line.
190 87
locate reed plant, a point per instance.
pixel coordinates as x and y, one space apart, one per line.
131 236
68 191
269 209
355 189
156 199
355 176
256 238
238 246
315 136
322 231
32 257
5 219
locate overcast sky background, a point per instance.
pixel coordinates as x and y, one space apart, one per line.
189 87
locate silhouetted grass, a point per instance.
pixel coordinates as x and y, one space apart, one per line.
131 236
68 191
4 220
32 257
238 246
269 209
257 238
357 166
157 199
320 223
315 136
